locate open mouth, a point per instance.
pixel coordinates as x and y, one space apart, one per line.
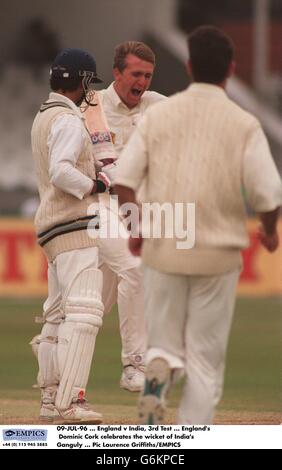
136 92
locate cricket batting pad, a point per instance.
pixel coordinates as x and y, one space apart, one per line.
77 336
44 347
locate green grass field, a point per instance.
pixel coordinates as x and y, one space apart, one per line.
253 372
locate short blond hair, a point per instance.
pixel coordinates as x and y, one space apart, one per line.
139 49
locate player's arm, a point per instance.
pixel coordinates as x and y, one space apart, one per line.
263 187
127 195
132 164
132 170
65 143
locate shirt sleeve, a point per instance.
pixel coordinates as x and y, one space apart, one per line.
133 161
65 142
261 179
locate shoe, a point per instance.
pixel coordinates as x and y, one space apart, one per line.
47 409
151 404
132 379
79 412
47 413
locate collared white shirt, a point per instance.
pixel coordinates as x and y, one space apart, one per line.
65 141
122 120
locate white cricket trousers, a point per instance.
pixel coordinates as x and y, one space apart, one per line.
123 284
189 320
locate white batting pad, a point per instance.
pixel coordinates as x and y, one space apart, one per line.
75 351
77 335
47 356
84 295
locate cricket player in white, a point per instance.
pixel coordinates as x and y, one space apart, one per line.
68 185
123 102
197 146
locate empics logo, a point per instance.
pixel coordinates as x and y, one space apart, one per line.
25 434
9 433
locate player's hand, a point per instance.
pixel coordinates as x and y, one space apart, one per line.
104 178
135 245
270 242
101 184
109 169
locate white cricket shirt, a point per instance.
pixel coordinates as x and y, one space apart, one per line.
122 120
65 142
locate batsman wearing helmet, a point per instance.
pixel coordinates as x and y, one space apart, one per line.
67 184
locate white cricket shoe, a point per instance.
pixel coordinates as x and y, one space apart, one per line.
132 379
79 412
47 413
151 404
47 410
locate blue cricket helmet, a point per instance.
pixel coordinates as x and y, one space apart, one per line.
75 63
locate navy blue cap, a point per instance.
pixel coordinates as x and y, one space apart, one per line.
74 63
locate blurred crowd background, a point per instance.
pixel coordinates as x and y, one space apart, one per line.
32 32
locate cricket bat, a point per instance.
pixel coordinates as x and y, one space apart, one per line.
98 128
